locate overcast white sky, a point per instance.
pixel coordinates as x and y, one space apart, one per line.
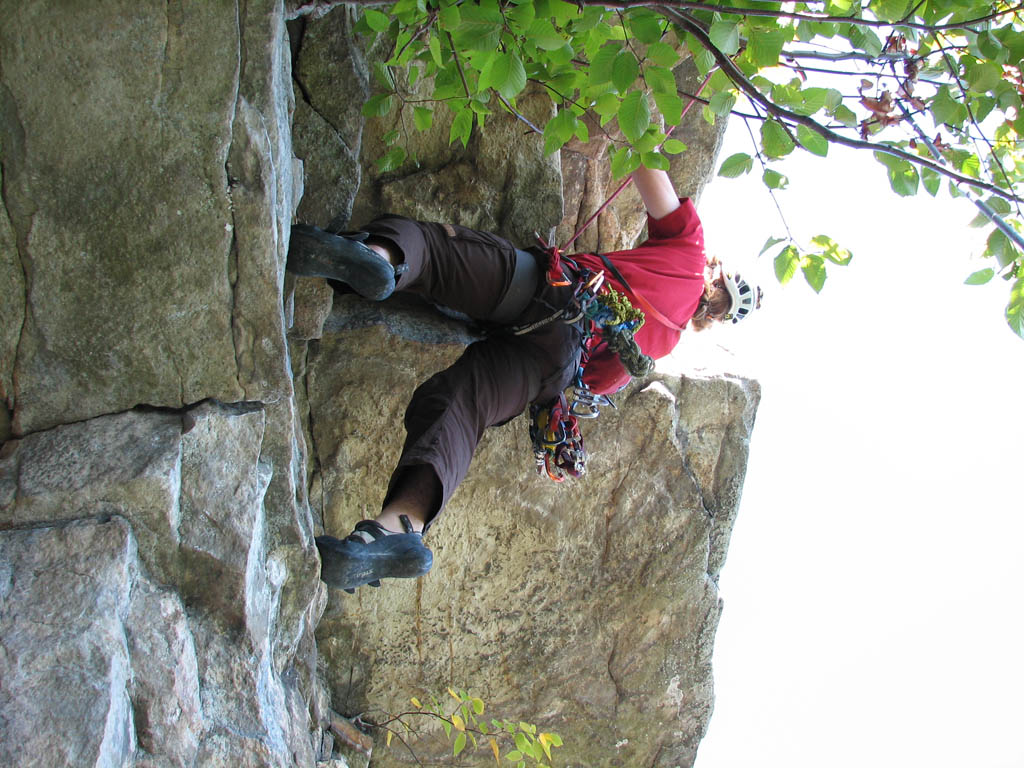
873 588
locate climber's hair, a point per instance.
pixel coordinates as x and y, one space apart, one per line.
715 302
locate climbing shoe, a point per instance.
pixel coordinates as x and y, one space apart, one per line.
370 553
315 253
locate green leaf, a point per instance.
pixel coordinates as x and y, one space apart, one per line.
449 16
521 16
889 10
990 46
1015 308
865 39
831 250
376 20
947 110
522 744
786 264
625 70
378 105
984 76
505 74
775 140
645 25
722 103
704 61
814 272
673 147
770 243
601 63
544 35
846 116
726 36
980 277
655 161
460 743
999 245
765 45
774 180
670 106
392 160
624 162
812 141
903 176
660 80
422 118
478 706
999 205
931 180
514 755
607 105
563 11
559 130
462 126
736 165
662 54
634 115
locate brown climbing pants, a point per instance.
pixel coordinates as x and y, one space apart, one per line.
495 378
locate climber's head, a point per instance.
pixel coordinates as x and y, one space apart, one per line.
727 297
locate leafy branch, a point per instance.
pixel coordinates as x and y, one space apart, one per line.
687 5
740 80
464 725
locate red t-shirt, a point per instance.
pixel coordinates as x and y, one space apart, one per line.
667 269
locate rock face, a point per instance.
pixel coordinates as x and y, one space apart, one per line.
139 570
157 570
180 418
589 606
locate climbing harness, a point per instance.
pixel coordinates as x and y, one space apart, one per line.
558 448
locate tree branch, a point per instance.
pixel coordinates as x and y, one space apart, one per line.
736 76
689 5
458 65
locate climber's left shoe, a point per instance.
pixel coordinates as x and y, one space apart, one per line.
315 253
371 553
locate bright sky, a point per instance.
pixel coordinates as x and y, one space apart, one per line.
873 587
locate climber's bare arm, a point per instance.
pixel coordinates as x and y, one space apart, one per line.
656 191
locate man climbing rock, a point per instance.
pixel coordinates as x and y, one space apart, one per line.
553 321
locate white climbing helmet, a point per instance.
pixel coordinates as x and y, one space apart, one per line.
745 297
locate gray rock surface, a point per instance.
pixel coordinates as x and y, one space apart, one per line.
158 523
153 185
588 608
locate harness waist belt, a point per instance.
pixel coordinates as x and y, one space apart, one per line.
525 280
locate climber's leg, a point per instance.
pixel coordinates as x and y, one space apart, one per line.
492 382
477 273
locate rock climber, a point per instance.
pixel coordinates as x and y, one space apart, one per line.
538 340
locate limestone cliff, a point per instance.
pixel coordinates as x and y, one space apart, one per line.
181 418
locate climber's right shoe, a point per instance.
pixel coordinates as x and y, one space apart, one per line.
370 553
315 253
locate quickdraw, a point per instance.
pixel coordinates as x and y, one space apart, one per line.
557 443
